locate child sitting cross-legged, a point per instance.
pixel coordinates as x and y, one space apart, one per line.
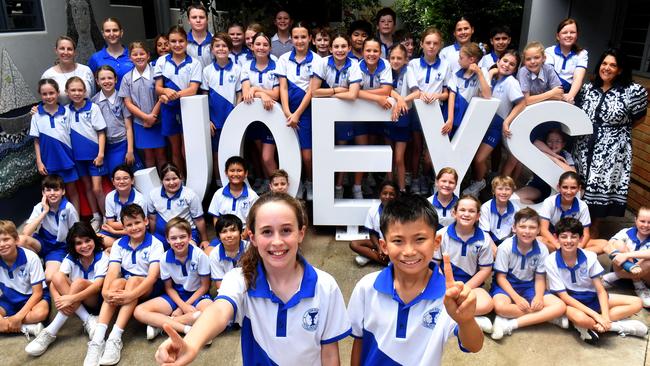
227 249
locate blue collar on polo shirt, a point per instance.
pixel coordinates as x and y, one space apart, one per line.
225 257
575 206
633 234
129 200
21 259
582 258
510 209
177 194
477 236
307 289
435 288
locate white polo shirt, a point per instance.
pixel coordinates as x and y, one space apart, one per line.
16 281
222 85
508 91
383 75
221 263
333 77
395 333
488 60
520 269
451 54
135 262
185 276
53 133
498 225
372 219
55 226
265 78
431 78
577 281
114 205
223 202
178 77
565 66
184 204
631 239
405 83
200 51
73 268
465 256
551 210
85 123
298 74
314 316
444 212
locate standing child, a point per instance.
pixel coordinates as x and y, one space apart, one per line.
50 128
519 285
173 199
132 273
47 227
221 81
88 137
368 249
114 54
321 40
279 181
386 20
24 304
568 59
76 287
500 37
161 46
251 31
138 91
239 53
470 253
185 271
405 38
574 275
282 41
277 297
403 314
498 214
463 31
358 31
177 75
227 249
295 71
123 194
119 126
445 199
199 38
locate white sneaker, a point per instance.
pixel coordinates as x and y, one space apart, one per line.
361 260
309 188
560 321
112 352
89 325
587 335
96 223
501 327
93 353
475 188
152 332
338 192
32 329
484 323
644 295
357 192
39 345
632 327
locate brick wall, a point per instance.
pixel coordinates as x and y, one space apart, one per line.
640 186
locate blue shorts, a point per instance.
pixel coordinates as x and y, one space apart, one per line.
68 175
398 134
258 131
537 183
170 116
493 135
215 139
304 131
115 155
86 168
525 291
11 307
344 131
148 137
51 250
184 295
589 299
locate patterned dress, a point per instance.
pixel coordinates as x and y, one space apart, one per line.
604 158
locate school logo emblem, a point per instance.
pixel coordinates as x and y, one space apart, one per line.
439 76
245 204
87 115
232 79
145 254
272 76
430 318
194 267
583 270
477 248
310 319
534 261
22 272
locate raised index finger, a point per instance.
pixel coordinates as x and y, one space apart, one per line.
449 273
176 339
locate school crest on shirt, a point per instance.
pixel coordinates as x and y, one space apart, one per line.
194 266
145 254
86 115
583 271
310 319
430 317
232 79
272 76
22 272
534 261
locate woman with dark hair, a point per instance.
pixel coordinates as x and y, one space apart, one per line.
615 105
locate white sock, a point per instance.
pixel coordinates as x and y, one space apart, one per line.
187 328
610 277
356 188
25 328
56 323
116 333
82 313
513 323
639 285
100 333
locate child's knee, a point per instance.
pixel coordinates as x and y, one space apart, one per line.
117 284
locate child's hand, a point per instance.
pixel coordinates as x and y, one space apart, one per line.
164 99
13 324
204 244
292 120
446 128
557 93
474 68
428 98
567 98
267 101
213 129
522 304
149 120
44 204
537 304
506 130
42 170
602 323
33 110
174 351
129 158
248 97
384 102
99 160
188 309
459 300
400 108
620 258
171 94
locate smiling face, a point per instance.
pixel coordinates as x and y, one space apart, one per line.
463 32
65 51
122 181
397 59
357 38
76 92
7 245
466 213
198 20
177 44
642 222
300 38
106 80
282 21
526 231
279 185
555 141
507 65
569 242
49 95
53 195
249 38
322 43
568 35
162 46
609 70
112 33
340 48
446 185
171 182
135 227
371 52
410 246
84 246
277 236
139 57
534 59
568 189
500 42
236 174
230 237
220 50
179 240
236 34
387 194
431 45
502 193
261 47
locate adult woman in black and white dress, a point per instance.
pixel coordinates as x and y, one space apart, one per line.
615 105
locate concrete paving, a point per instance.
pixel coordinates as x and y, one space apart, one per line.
544 344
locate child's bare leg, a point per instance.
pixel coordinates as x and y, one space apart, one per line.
108 241
268 159
108 309
155 312
161 157
553 308
528 195
73 194
367 249
484 303
505 307
399 165
98 191
190 318
126 310
596 245
580 319
623 306
51 268
30 243
90 195
38 313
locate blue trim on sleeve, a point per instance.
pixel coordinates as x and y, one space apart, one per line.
557 291
598 274
460 345
337 338
231 301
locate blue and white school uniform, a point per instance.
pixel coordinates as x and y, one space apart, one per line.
520 269
372 222
493 222
223 84
141 88
383 75
122 64
333 77
221 263
113 206
508 91
223 202
265 79
630 236
431 78
176 77
466 257
488 60
184 204
577 281
451 54
353 57
115 112
16 281
404 83
565 66
241 58
136 262
200 51
53 229
85 123
185 276
313 317
464 89
551 211
53 134
395 333
444 212
74 269
298 75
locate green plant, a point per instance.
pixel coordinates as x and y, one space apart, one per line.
359 9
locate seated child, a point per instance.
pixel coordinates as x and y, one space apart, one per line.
368 249
279 181
630 253
519 286
132 273
185 270
227 249
470 252
24 304
47 227
574 276
498 214
403 314
76 287
237 197
444 199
